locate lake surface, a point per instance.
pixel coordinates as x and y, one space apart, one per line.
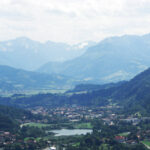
69 132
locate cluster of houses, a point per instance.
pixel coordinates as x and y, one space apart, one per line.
71 113
123 139
78 113
6 138
139 136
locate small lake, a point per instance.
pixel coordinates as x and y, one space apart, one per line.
70 132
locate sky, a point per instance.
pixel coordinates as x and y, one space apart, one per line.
73 21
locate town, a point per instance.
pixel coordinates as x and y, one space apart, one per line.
77 117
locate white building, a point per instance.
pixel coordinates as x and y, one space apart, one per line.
53 148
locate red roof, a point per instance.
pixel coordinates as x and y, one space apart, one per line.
119 137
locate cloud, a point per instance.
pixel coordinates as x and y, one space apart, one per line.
73 21
14 15
59 12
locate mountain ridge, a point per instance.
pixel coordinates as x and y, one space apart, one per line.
111 60
24 53
12 79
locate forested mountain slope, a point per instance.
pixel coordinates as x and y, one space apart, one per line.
113 59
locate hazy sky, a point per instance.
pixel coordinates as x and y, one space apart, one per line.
73 21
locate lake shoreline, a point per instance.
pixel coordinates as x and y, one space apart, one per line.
70 132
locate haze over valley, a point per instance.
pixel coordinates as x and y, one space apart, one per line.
33 65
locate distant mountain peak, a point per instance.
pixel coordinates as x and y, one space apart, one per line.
111 60
28 54
23 39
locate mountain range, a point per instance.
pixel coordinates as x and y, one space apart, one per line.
24 53
111 60
12 79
